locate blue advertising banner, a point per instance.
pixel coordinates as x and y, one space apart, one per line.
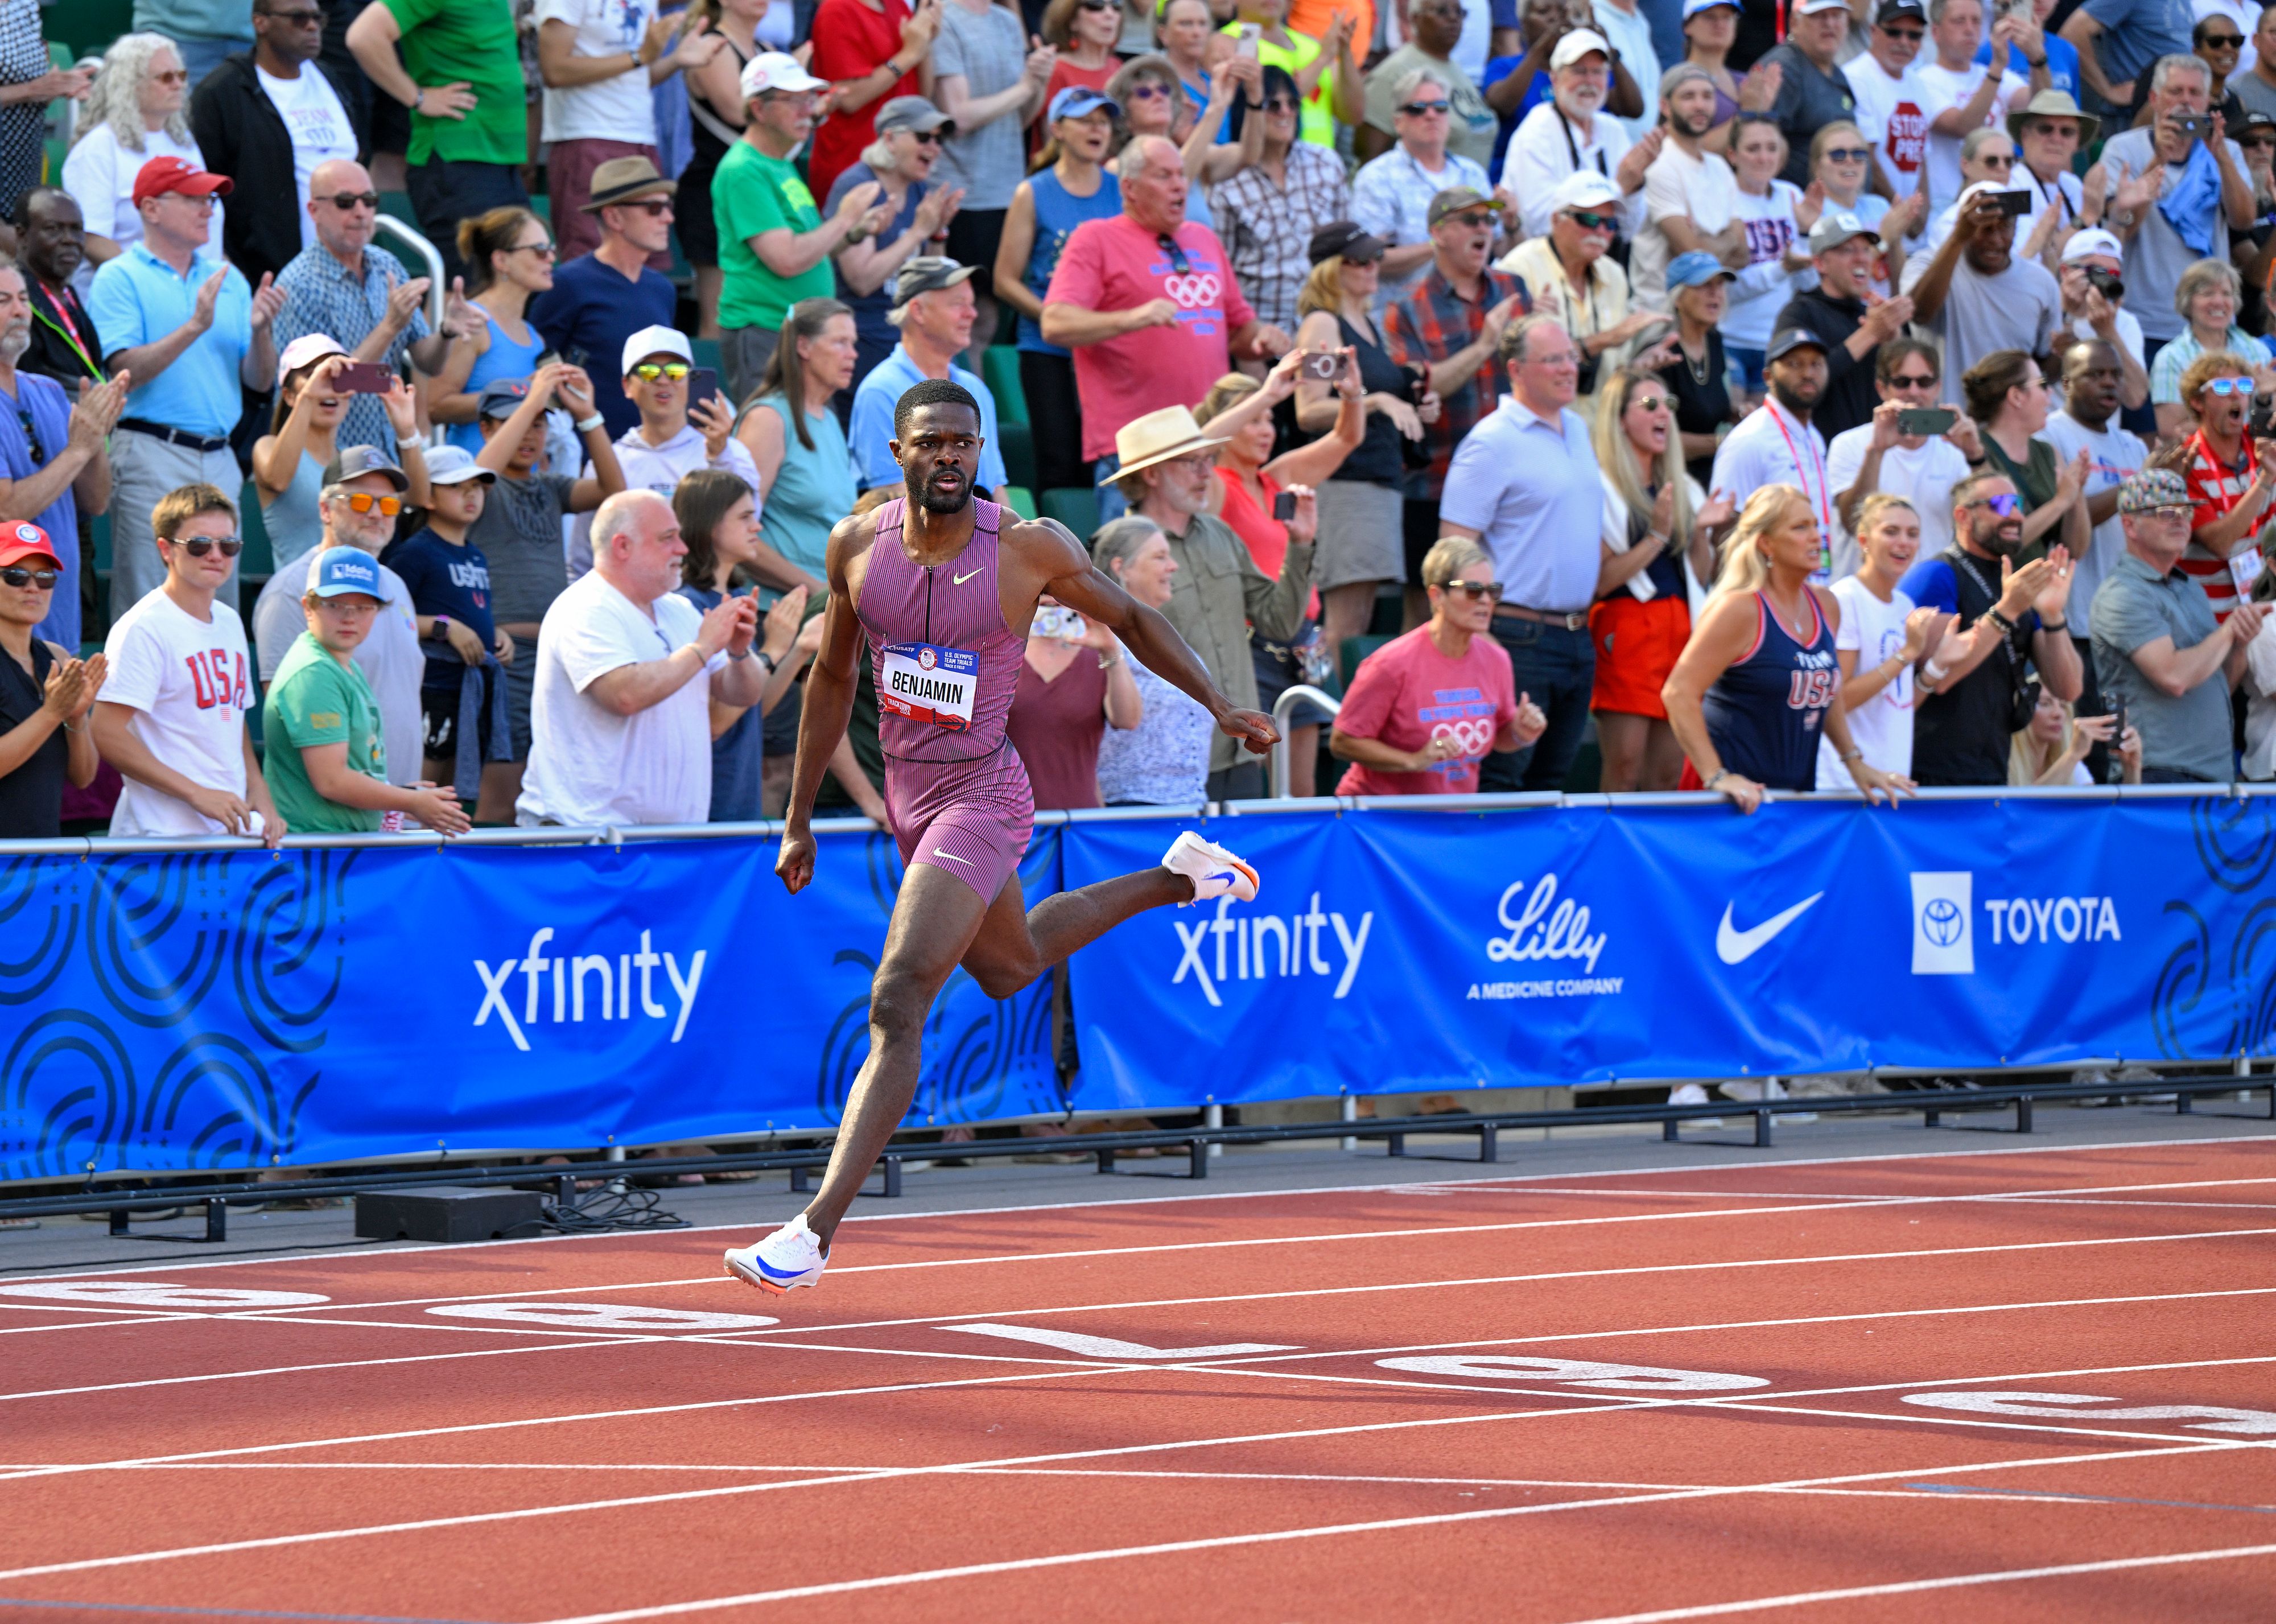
200 1010
1395 950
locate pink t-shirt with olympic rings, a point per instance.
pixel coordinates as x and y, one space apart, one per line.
1407 694
1116 264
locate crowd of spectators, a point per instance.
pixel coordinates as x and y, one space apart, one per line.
1880 403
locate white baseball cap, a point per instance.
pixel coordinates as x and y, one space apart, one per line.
1579 42
773 70
1585 188
2091 243
655 341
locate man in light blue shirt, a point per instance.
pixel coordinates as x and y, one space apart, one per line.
933 306
187 331
2118 40
1525 484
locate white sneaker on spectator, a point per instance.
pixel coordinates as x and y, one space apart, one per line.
784 1260
1688 1094
1214 871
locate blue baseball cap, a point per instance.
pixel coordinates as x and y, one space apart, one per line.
1695 268
502 396
1076 99
342 570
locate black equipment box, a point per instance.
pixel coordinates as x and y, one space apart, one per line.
446 1212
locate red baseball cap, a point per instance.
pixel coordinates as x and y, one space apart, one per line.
19 542
161 175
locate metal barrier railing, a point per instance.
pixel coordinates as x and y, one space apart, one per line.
437 293
1283 709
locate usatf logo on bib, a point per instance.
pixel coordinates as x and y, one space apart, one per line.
929 684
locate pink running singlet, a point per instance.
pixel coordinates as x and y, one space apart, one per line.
947 668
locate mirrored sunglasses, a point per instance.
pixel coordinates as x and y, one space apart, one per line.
1415 110
650 371
199 546
1588 220
1848 155
1653 402
2006 505
1474 590
363 502
17 575
2228 386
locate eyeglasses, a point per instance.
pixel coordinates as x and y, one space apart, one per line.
2225 41
363 502
1178 263
1996 159
1148 93
2056 128
2005 506
199 546
1471 218
1415 110
1589 221
1279 104
196 200
925 138
545 248
17 575
345 201
654 207
1848 155
179 76
1913 380
1651 402
2256 141
650 371
1490 590
2228 386
340 606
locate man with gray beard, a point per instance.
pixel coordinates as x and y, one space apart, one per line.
52 456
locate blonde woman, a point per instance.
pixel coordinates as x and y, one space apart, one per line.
2052 750
133 113
1756 685
1659 528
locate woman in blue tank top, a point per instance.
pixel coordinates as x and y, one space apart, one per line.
1070 187
1755 686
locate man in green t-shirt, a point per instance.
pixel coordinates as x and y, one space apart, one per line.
326 759
460 75
774 245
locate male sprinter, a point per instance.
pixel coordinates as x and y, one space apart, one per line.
944 588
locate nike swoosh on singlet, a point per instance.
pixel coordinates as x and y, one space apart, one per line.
958 581
951 857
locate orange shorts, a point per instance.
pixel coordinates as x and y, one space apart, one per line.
1638 644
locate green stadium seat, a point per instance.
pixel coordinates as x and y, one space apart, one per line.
397 206
1018 445
259 557
707 354
1354 650
999 369
1076 509
1390 610
1020 499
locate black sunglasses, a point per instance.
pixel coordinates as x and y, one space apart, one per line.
2225 41
1913 380
1415 110
199 546
1475 589
17 575
345 201
310 19
1178 263
1914 35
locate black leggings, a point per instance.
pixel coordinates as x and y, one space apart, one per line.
1055 419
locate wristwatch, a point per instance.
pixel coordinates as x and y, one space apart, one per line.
441 627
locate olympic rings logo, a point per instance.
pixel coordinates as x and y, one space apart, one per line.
1473 738
1197 292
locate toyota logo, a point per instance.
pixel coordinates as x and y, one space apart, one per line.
1197 292
1941 921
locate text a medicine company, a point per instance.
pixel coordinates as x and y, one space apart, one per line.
1546 928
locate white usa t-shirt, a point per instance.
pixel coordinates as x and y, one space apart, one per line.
590 767
189 683
318 125
1882 728
1890 112
614 109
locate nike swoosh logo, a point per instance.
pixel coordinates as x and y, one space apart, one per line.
967 861
958 581
1737 946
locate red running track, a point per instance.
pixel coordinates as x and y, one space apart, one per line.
2010 1386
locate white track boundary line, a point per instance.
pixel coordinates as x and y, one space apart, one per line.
1912 1587
1227 1540
331 1257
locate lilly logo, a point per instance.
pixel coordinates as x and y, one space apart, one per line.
1543 931
1733 945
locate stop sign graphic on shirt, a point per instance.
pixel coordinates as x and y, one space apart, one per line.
1905 146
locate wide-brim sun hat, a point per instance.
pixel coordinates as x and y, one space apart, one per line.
1158 437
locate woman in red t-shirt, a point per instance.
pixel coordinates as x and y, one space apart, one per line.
1424 710
1240 410
1074 681
1085 32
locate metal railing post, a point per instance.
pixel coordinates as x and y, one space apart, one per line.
430 259
1283 708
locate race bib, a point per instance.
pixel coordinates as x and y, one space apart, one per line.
929 685
2244 567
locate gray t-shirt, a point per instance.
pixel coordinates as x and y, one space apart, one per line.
2112 453
2137 32
2254 94
1471 125
2018 309
990 50
2136 606
2156 256
520 532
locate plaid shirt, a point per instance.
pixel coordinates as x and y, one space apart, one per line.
321 296
1432 323
1267 228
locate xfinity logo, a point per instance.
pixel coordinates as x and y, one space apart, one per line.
583 984
1261 944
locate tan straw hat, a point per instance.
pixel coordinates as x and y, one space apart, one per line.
2053 104
1158 436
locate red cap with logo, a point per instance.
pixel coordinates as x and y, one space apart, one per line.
161 175
19 542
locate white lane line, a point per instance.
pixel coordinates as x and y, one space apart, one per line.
329 1259
1913 1587
441 1465
1227 1540
1032 1313
303 1370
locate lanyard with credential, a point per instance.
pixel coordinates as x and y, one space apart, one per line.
68 333
1816 498
1572 148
